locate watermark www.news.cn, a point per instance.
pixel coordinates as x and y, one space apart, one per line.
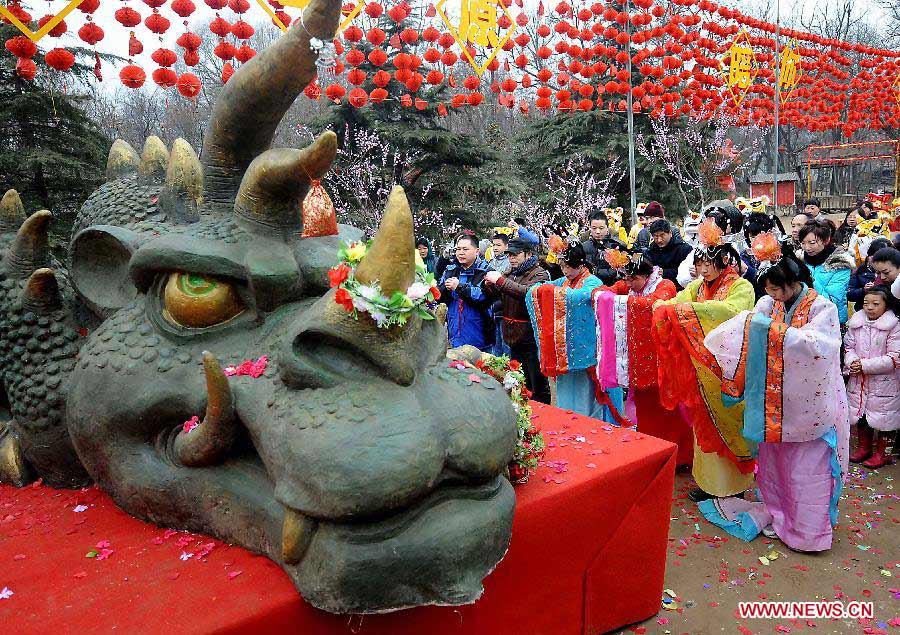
806 610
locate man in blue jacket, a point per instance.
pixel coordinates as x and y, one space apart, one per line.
468 318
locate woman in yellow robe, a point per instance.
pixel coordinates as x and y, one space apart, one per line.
690 377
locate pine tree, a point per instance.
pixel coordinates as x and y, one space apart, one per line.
457 174
599 137
51 153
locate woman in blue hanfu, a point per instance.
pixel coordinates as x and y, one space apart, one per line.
783 360
562 314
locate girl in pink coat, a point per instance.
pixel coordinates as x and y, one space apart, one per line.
872 361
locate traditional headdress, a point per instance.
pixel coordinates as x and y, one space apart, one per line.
617 259
721 231
767 250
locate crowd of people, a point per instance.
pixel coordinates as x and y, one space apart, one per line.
751 347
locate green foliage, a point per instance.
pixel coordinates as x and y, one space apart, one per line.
51 153
600 138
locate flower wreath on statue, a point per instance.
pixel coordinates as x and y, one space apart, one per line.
357 297
529 440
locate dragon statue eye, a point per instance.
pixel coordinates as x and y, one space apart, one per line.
197 301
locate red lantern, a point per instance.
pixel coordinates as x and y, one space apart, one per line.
157 23
334 92
378 95
20 13
239 6
26 68
20 46
216 4
59 59
128 17
242 30
355 57
474 99
381 79
356 77
376 36
244 54
449 58
409 36
90 33
312 90
397 13
353 33
434 77
56 31
89 6
188 85
283 17
164 57
228 71
183 8
132 76
358 97
374 10
220 27
189 41
165 77
224 50
446 40
134 46
191 57
377 57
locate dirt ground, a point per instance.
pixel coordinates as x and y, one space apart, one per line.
708 572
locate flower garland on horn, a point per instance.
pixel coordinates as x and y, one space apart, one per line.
357 297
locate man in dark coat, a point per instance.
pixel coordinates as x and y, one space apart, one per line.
653 212
511 288
666 250
598 242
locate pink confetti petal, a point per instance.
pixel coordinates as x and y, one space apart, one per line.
233 574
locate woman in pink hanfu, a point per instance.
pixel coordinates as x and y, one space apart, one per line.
783 360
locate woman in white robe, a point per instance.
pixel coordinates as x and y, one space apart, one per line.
783 360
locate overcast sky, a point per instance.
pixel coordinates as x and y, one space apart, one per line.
116 36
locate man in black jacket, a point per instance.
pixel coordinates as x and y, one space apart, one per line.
666 250
600 241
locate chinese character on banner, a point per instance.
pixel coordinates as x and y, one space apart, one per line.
479 26
478 22
789 72
742 67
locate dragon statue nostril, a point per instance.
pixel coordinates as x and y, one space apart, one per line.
349 456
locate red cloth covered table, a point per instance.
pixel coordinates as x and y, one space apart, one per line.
587 556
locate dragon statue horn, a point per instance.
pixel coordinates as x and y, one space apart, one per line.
122 160
41 293
12 212
183 192
30 249
391 260
278 179
154 160
208 443
256 98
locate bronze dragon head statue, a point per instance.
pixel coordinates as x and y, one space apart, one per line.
357 459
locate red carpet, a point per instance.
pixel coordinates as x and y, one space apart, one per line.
587 556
